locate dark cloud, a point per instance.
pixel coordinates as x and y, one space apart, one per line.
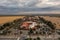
15 7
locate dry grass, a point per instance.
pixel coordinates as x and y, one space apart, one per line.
4 19
55 20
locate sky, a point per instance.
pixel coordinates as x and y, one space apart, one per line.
17 6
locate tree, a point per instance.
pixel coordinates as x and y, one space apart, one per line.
9 32
49 23
6 24
30 31
36 32
18 21
34 39
38 26
21 32
28 39
58 38
4 32
38 38
58 33
1 27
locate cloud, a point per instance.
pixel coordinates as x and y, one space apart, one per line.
29 3
8 3
18 3
48 3
15 6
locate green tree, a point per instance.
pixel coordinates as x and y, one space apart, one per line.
29 38
6 24
34 39
1 27
49 23
9 32
38 38
58 38
30 31
4 32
